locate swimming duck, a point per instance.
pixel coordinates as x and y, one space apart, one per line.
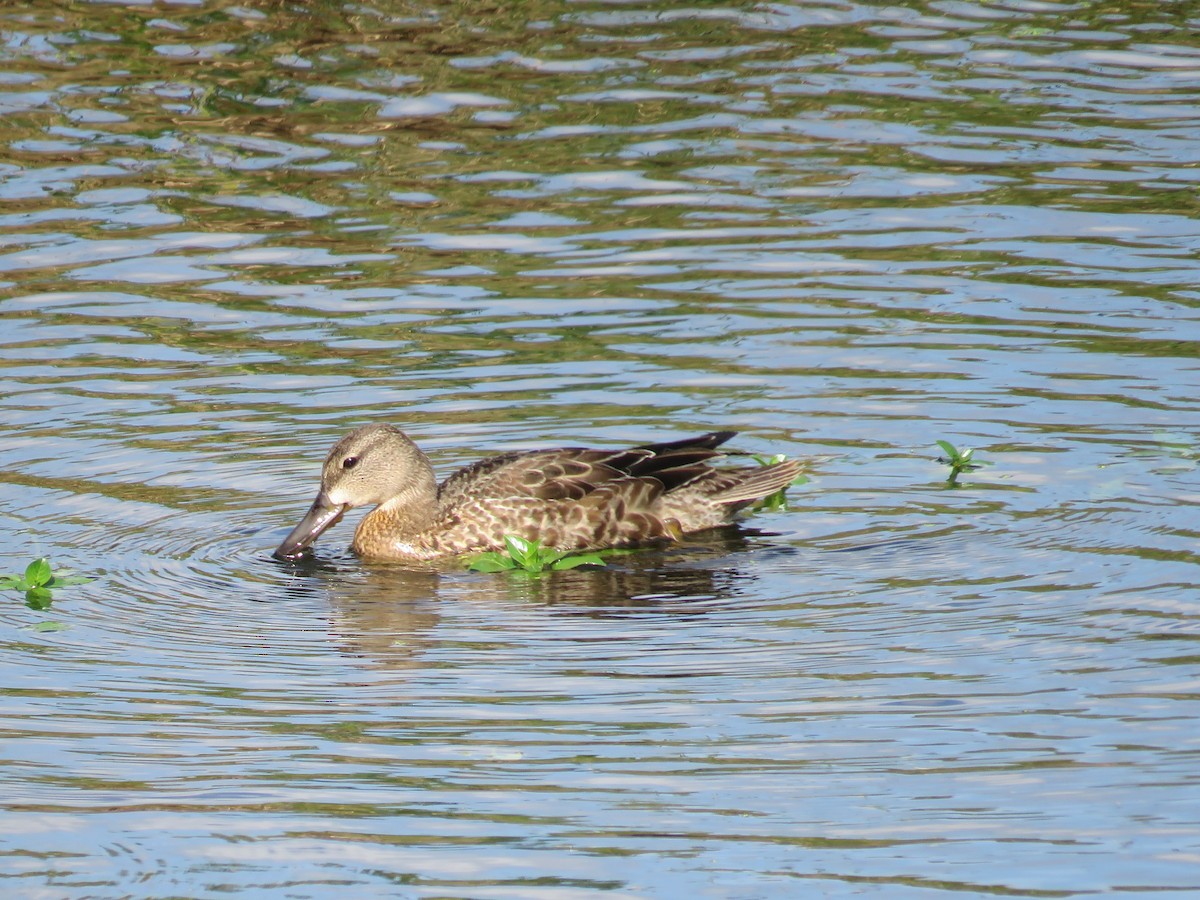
571 498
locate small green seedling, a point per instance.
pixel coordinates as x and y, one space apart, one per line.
38 581
959 461
777 501
529 556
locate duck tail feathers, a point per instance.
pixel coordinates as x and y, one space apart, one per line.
754 484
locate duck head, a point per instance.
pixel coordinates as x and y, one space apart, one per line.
376 465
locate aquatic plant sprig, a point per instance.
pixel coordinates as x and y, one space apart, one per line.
529 556
958 460
39 581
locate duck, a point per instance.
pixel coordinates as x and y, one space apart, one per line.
568 498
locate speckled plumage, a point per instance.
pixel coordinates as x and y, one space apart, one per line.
570 498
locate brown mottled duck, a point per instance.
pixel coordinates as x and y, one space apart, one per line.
570 498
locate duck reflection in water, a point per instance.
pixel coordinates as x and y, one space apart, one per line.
392 616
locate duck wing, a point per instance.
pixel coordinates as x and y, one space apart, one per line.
566 473
572 473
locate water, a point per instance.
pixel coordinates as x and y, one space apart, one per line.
229 234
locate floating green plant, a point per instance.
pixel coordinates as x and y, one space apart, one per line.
778 500
959 461
39 581
529 556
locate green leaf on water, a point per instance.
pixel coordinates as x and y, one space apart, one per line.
49 625
949 449
583 559
764 460
38 573
522 552
491 562
776 502
64 578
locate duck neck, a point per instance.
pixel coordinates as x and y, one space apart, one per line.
410 512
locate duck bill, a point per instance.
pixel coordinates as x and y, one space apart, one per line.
321 515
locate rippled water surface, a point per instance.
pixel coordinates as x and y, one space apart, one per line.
230 233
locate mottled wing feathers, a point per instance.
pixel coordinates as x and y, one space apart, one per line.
568 473
571 473
640 519
576 498
474 480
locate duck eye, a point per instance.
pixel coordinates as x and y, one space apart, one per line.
349 462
